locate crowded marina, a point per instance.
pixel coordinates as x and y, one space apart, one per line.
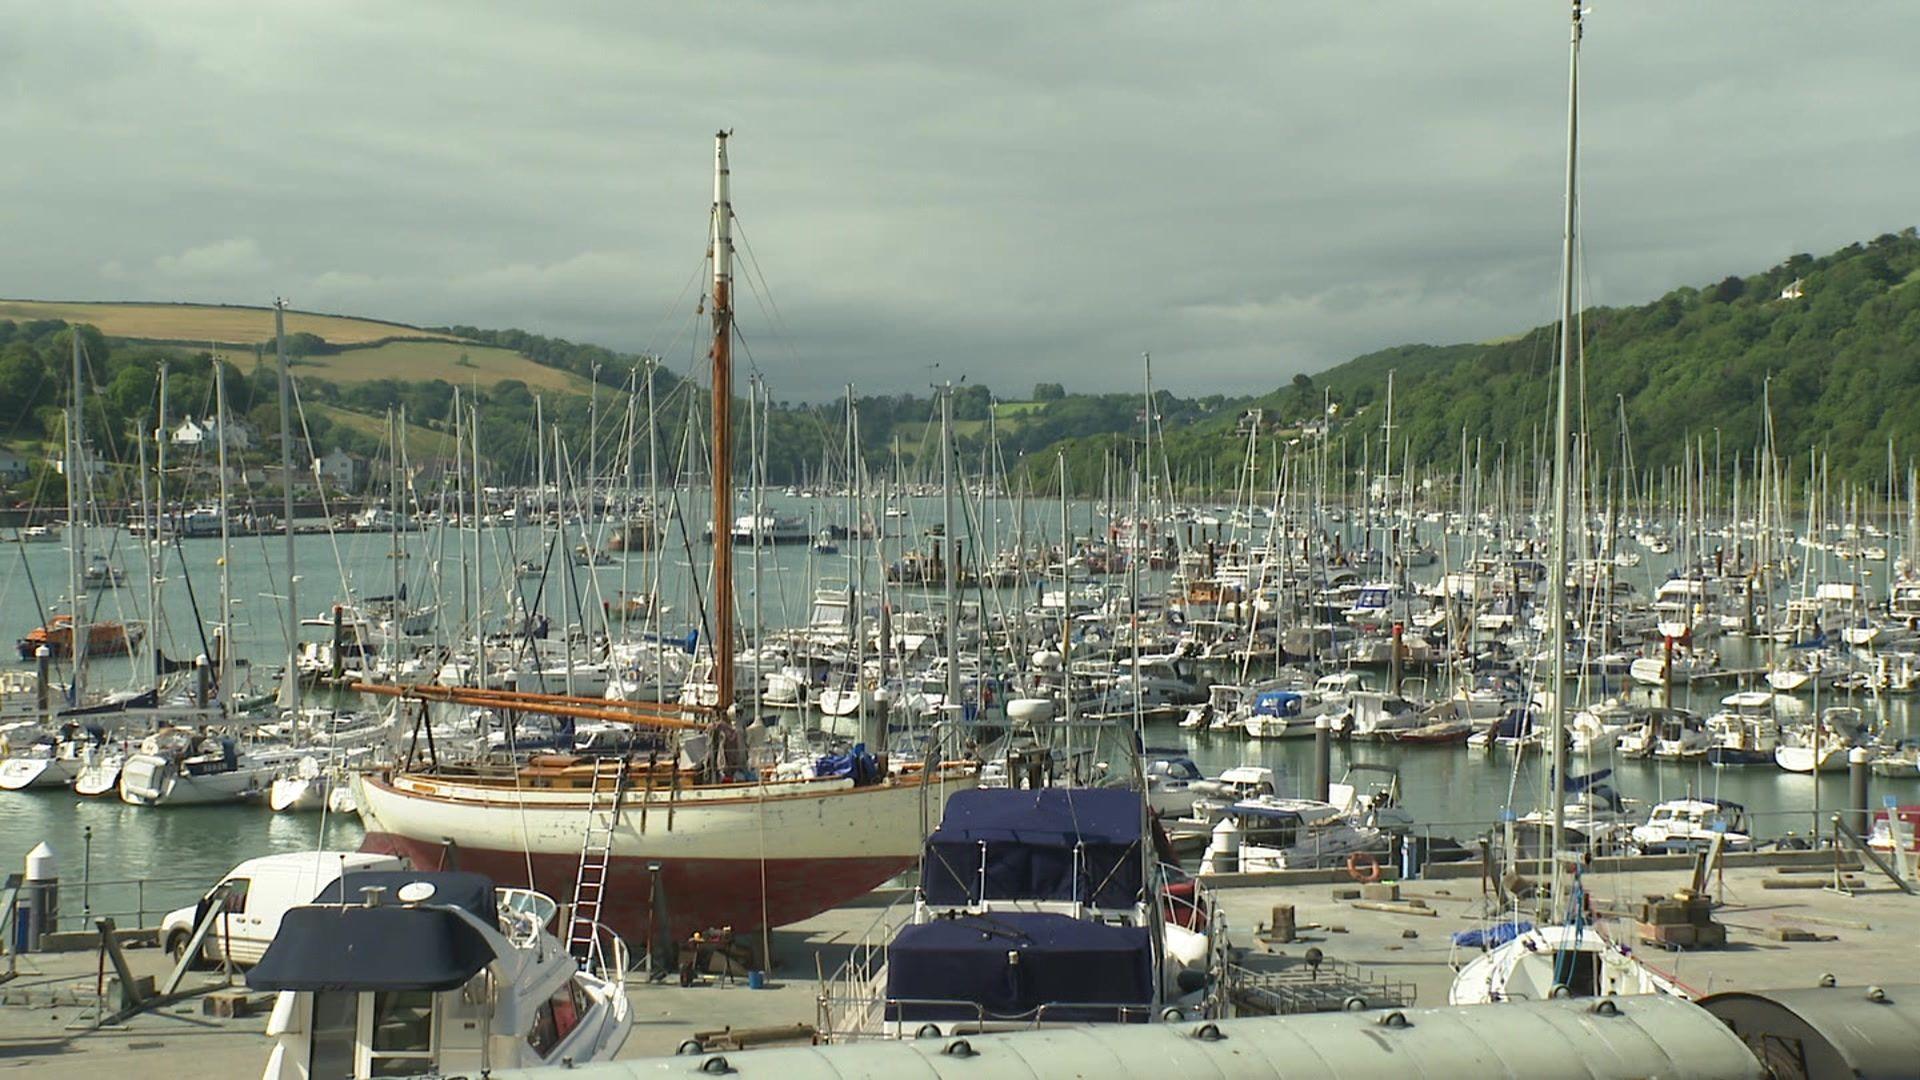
617 756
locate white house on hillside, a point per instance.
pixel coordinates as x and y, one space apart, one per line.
339 470
206 432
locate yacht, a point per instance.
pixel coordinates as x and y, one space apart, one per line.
1744 731
1373 714
1035 907
1680 825
1669 734
1838 730
1566 960
1283 714
176 767
1273 832
1171 784
403 973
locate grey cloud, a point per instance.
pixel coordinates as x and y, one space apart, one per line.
1014 191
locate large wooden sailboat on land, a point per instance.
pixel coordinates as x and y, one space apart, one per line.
685 839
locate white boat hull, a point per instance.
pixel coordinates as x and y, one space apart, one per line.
812 844
25 773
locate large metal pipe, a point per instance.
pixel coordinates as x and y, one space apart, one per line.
1649 1035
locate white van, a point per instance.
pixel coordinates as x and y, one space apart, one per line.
258 893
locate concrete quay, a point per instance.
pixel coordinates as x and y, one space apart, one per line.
1865 936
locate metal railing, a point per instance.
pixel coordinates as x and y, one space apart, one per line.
1326 986
119 899
1763 827
956 1017
848 1006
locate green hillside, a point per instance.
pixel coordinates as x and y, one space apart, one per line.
1836 338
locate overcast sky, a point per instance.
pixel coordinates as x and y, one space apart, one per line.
1017 191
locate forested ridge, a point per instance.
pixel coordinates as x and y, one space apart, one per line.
1833 342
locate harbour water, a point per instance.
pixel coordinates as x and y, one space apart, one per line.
1451 790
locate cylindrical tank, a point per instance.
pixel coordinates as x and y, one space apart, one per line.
1609 1039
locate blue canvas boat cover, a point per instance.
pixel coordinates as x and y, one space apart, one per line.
1276 703
1047 844
455 888
330 945
1007 966
1491 937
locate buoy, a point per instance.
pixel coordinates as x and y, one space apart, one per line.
1363 868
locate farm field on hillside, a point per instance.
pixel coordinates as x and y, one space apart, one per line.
204 322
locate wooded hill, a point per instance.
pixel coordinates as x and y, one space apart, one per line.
1833 343
1837 339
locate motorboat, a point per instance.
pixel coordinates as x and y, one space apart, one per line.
1211 799
176 767
1273 832
1899 762
1034 908
104 638
403 973
1170 784
1597 729
1283 714
1681 825
1374 714
1744 731
101 574
771 529
1669 734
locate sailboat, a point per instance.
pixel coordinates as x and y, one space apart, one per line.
1567 956
70 635
679 841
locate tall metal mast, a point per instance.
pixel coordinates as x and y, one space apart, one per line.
286 505
156 515
949 555
225 658
77 528
722 426
1557 583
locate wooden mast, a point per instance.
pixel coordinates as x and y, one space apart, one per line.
722 256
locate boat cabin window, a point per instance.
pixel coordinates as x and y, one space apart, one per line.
335 1026
1273 832
556 1018
1174 769
401 1039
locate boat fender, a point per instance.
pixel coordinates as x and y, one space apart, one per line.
1363 868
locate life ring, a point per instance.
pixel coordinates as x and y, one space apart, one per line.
1363 868
632 673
